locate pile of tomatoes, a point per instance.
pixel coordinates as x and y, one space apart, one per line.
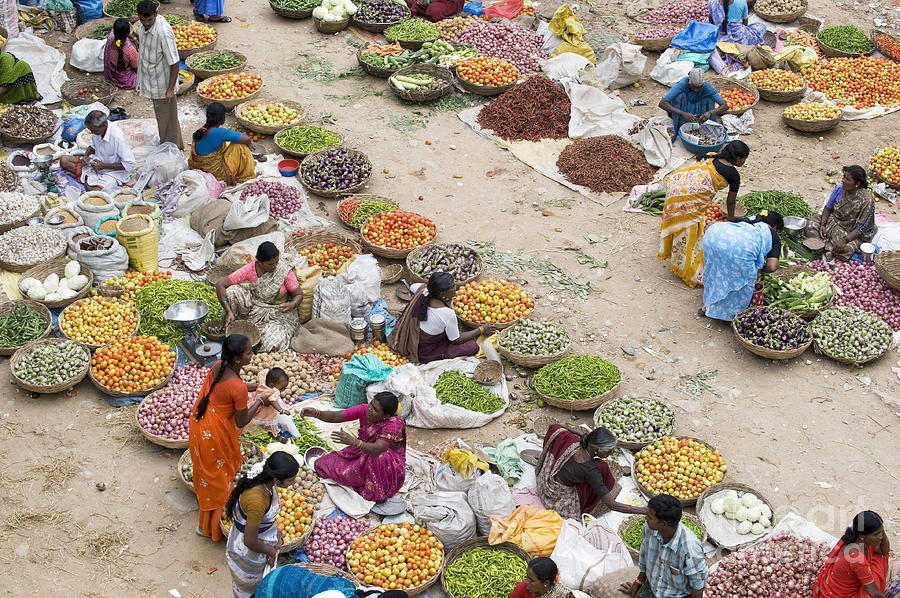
230 86
399 230
889 46
738 99
328 256
812 111
395 556
886 163
862 82
98 320
134 281
270 115
133 363
777 80
492 302
714 214
193 35
295 516
681 467
382 352
491 72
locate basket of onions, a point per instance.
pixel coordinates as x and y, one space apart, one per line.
330 539
163 416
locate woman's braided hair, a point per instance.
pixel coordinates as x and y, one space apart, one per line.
234 345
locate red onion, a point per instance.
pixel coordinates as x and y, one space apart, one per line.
324 367
330 538
284 200
167 412
658 33
513 43
190 375
861 286
780 567
681 11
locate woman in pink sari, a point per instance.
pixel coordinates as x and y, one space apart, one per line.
120 57
375 463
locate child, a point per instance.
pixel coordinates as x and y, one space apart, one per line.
274 415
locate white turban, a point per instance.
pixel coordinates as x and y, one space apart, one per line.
695 77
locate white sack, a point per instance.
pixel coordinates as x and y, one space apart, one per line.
490 496
669 70
447 515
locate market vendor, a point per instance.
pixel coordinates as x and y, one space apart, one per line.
573 477
689 191
427 329
17 83
120 56
693 100
671 563
857 566
221 152
374 464
848 218
730 16
108 162
733 255
541 581
269 299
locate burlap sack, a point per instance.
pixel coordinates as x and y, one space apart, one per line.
608 585
308 278
230 237
322 336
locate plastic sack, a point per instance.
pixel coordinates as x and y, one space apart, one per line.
505 9
196 193
448 479
163 164
696 37
241 254
140 132
331 300
104 263
564 68
621 65
447 515
569 29
533 529
655 141
699 60
88 10
87 55
364 281
357 373
580 562
489 497
473 8
213 185
92 214
668 70
71 128
250 213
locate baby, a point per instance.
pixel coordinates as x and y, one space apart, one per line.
274 416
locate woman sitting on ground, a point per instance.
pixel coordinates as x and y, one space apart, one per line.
120 57
848 218
541 581
221 152
857 566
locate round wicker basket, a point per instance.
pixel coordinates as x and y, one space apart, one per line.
158 440
658 44
137 314
294 154
789 272
10 139
388 252
881 49
310 239
483 90
723 83
58 267
85 30
421 588
411 45
811 126
20 222
105 95
362 197
47 389
857 362
185 459
881 179
183 54
225 526
835 53
742 488
331 26
131 18
290 14
187 84
785 17
479 542
40 308
379 27
582 404
423 95
631 519
26 267
138 393
634 446
267 129
414 276
206 73
488 372
206 327
245 327
685 502
766 352
771 95
528 361
375 71
227 103
391 273
7 173
331 193
887 263
214 274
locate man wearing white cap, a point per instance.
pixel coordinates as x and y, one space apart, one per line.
693 100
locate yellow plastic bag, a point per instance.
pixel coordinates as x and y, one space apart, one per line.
799 57
566 25
464 462
534 529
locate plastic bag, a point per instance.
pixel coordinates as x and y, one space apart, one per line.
713 130
668 70
87 55
533 529
71 128
655 141
195 195
447 515
580 562
241 254
571 33
505 9
104 263
331 300
489 497
364 282
357 373
88 10
251 212
473 8
213 185
163 164
696 37
446 478
92 214
621 65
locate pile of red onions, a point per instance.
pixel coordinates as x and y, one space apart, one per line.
330 538
513 43
284 200
167 412
190 375
325 368
657 33
780 567
861 286
681 11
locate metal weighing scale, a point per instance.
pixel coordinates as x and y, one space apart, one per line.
42 165
189 314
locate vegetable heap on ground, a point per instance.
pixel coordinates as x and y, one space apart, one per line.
804 292
122 8
862 82
370 556
153 300
230 86
330 539
576 378
508 41
324 368
98 320
20 326
492 302
399 230
193 35
309 437
634 535
680 11
886 163
851 333
772 328
453 258
381 351
484 573
336 169
778 7
714 214
846 38
750 514
777 80
306 139
786 204
861 286
284 200
451 28
300 375
356 211
52 363
329 256
456 388
682 467
604 164
534 110
636 420
132 364
535 337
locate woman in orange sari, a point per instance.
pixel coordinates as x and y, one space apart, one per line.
216 421
689 191
857 566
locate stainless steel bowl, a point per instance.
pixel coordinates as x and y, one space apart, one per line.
38 220
794 223
56 219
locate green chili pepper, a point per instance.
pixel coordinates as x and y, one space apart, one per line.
217 62
123 8
413 30
576 378
847 38
20 326
306 139
456 388
484 573
153 300
367 208
101 32
308 436
635 532
786 204
296 4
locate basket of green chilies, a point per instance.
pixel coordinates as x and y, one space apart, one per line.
477 569
577 382
294 9
304 140
215 62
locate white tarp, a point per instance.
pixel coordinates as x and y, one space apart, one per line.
46 63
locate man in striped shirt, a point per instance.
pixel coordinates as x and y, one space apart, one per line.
157 72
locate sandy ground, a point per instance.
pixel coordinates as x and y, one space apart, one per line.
809 434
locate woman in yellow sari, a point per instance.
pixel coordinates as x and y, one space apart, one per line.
689 191
221 152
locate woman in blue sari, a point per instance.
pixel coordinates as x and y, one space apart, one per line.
734 27
733 254
693 100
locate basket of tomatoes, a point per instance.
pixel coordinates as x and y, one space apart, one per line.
193 37
394 234
739 95
777 85
230 89
133 366
713 214
498 303
885 164
329 251
486 76
403 556
812 117
681 467
96 321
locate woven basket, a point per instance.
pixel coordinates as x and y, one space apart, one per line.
47 389
159 440
811 126
375 71
294 154
331 26
388 252
789 272
186 459
785 17
289 547
213 336
412 45
528 361
10 139
835 53
687 502
26 267
420 95
40 308
58 267
131 19
8 173
214 274
765 352
310 239
331 193
654 45
183 54
267 129
379 27
105 95
881 179
583 404
715 489
139 393
483 90
362 197
415 277
887 263
633 446
629 521
881 49
821 351
770 95
62 317
290 14
419 589
721 83
479 542
228 103
391 273
245 327
21 221
488 372
205 73
188 83
85 30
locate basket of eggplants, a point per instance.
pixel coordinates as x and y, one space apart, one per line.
335 171
850 335
461 261
772 332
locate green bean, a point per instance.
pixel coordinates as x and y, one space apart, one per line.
786 204
413 30
456 388
306 139
20 326
297 4
576 378
368 208
847 38
217 62
123 8
101 32
635 532
484 573
153 300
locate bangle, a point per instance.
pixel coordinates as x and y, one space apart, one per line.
225 301
638 582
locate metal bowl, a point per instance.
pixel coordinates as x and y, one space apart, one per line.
794 223
55 220
312 454
187 313
38 220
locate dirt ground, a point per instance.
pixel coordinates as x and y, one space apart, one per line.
809 434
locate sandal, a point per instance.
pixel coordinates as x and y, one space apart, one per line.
701 313
198 17
200 533
222 19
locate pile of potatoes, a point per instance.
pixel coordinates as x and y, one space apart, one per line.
300 373
778 7
451 28
307 483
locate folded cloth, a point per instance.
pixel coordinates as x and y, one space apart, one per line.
507 457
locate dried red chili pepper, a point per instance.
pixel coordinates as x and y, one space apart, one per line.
534 110
604 164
